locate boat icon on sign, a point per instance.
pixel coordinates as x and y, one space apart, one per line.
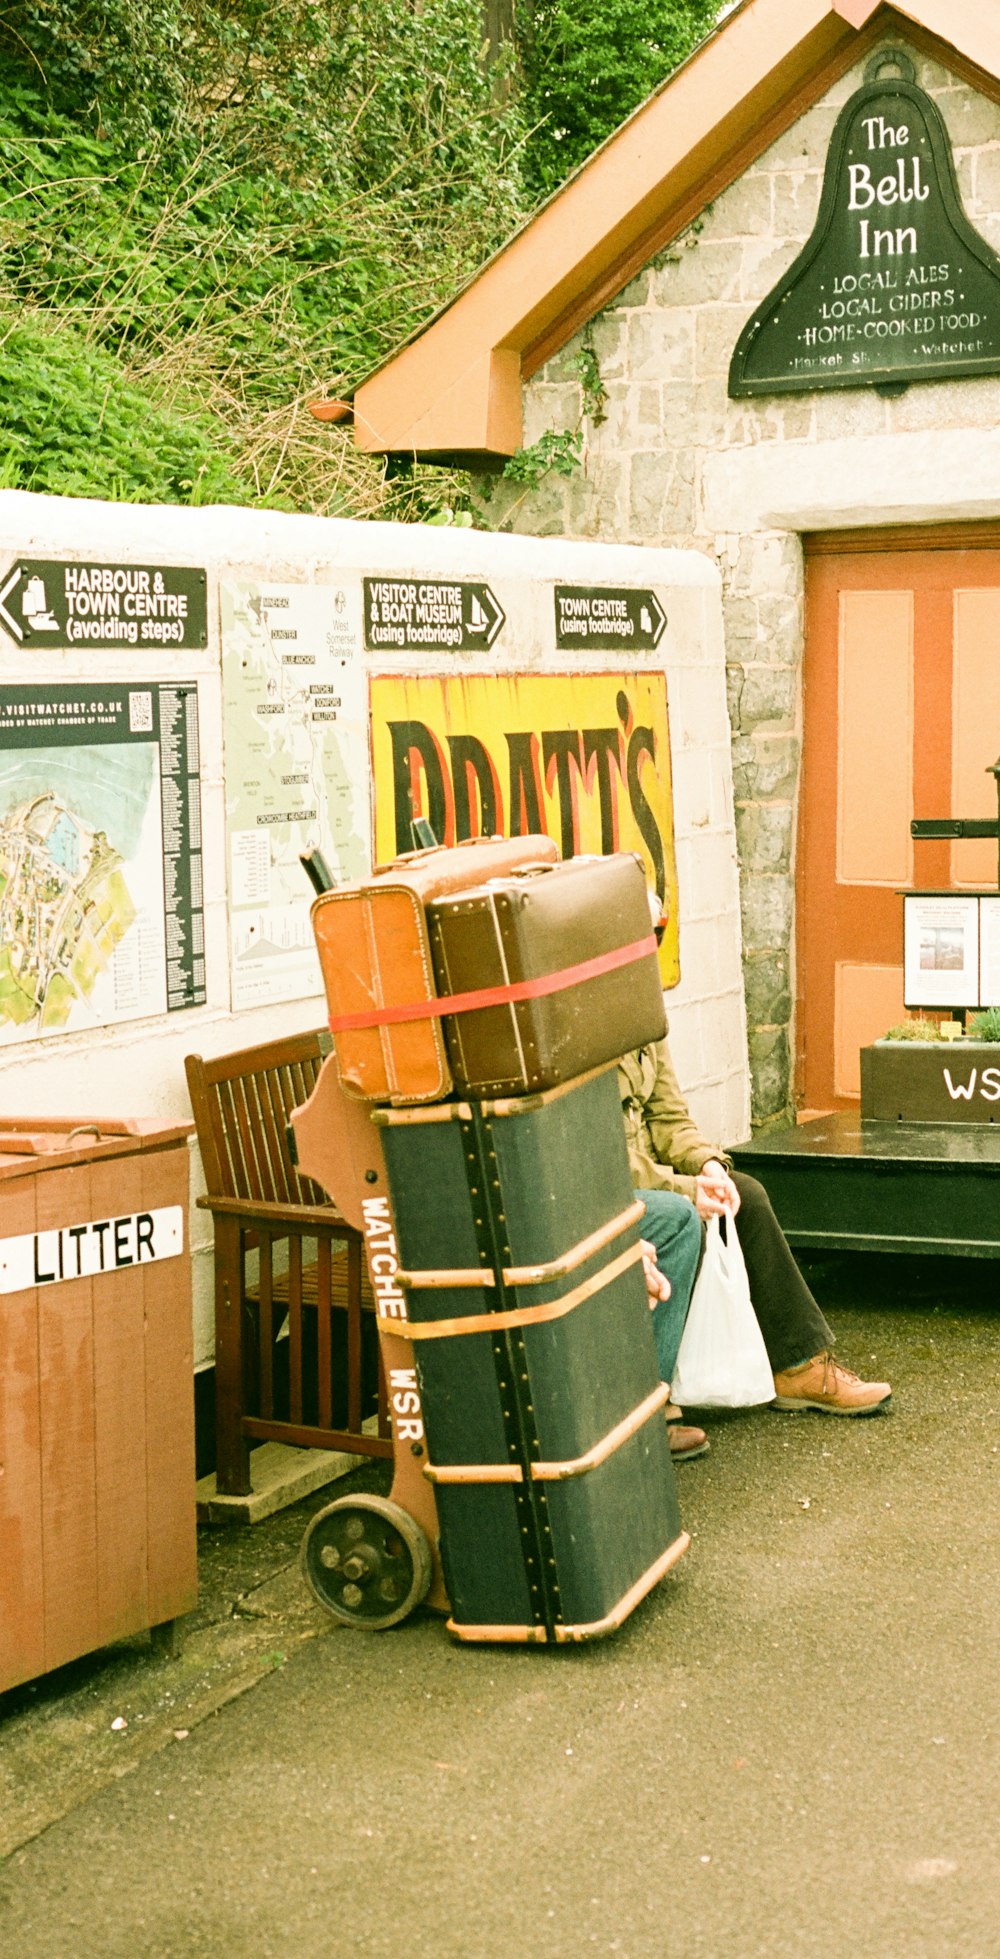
483 617
35 607
27 610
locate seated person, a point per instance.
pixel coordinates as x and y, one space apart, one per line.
676 1172
685 1440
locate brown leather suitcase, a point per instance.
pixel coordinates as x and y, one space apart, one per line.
375 959
574 941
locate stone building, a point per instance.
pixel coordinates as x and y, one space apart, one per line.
856 525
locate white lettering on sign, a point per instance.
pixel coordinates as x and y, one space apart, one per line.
383 1264
903 187
989 1085
383 1261
85 1251
404 1400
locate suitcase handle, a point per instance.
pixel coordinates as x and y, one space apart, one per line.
543 864
410 856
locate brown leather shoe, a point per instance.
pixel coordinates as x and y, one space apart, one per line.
686 1441
822 1383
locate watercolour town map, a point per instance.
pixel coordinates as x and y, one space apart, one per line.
87 932
65 905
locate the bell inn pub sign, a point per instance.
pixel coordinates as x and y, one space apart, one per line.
894 285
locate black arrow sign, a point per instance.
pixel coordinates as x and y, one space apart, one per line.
48 602
430 615
592 617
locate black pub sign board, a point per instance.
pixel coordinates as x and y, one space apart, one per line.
894 285
48 602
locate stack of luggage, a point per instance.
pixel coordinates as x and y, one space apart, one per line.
479 998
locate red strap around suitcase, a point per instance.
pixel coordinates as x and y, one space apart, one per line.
498 996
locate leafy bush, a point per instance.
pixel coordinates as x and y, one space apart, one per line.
213 210
241 206
588 63
71 427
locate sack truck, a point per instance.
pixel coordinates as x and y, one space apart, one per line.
468 1122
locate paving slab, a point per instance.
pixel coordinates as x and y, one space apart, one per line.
280 1476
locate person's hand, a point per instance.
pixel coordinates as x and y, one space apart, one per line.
657 1283
715 1192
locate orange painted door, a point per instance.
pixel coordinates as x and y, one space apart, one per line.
901 719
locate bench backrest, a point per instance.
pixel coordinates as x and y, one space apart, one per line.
242 1103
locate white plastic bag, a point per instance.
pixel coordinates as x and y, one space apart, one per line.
722 1361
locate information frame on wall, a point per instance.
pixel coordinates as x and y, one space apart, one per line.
101 890
951 949
295 735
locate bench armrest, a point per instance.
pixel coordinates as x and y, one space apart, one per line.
303 1216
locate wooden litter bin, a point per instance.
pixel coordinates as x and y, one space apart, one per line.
97 1496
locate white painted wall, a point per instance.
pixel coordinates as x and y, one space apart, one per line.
137 1068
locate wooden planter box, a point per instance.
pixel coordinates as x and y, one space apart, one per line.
931 1081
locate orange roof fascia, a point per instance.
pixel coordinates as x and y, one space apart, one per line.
455 389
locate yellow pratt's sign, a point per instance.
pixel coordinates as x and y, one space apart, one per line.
583 758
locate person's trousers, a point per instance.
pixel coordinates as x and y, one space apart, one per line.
789 1318
793 1327
671 1224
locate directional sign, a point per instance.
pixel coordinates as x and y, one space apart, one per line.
430 615
595 617
49 602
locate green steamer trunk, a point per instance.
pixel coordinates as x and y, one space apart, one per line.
518 1235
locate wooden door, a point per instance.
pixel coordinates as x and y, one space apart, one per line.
901 719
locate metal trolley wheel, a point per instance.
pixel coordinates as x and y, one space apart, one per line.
366 1561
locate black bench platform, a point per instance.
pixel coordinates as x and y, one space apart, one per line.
839 1184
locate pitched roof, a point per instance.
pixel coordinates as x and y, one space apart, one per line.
454 389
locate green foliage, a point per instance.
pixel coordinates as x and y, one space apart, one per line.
108 59
242 206
593 393
914 1030
588 63
71 427
212 211
559 451
984 1026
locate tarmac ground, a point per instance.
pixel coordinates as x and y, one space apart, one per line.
791 1748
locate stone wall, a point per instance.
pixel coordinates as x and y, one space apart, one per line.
669 464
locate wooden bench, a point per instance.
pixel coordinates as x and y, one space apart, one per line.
286 1264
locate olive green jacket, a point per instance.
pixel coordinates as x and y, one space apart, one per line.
666 1149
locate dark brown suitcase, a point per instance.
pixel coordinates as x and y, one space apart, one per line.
575 941
375 959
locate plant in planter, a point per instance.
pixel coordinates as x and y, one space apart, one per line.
915 1073
985 1026
916 1030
